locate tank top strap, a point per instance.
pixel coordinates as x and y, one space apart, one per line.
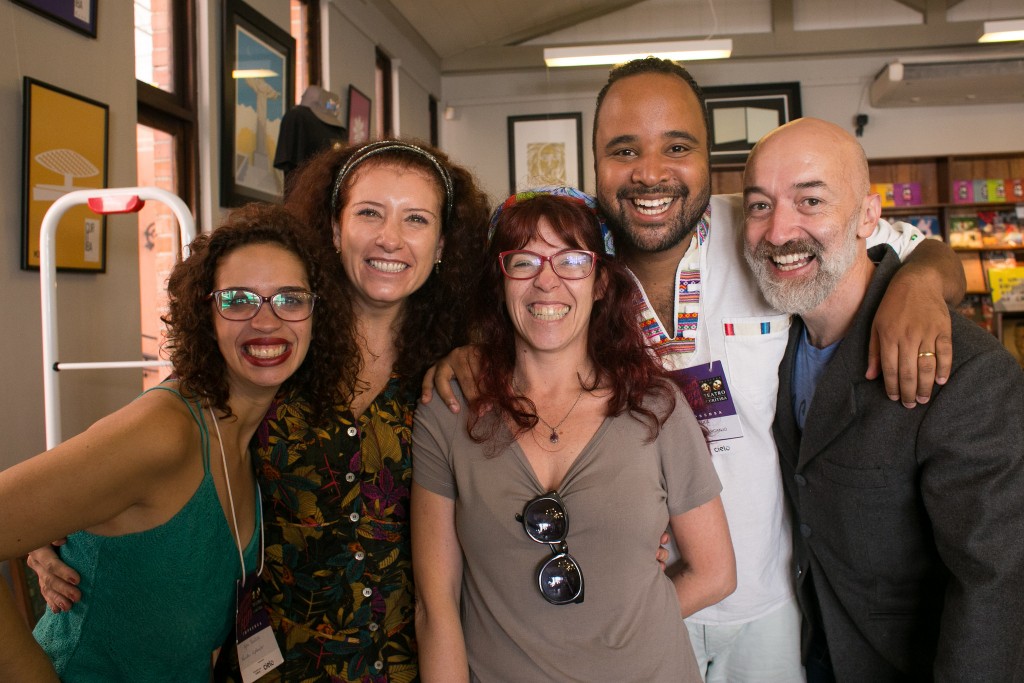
195 409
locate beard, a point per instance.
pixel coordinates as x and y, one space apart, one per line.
643 239
800 296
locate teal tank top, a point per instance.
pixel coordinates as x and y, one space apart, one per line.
157 603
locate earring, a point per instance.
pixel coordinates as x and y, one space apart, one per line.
437 266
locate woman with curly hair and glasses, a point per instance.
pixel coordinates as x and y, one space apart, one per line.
160 499
586 453
406 227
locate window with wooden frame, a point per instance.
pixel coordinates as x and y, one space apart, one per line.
166 152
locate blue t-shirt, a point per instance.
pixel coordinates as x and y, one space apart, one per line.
808 365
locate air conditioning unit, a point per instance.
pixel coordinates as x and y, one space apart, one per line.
949 81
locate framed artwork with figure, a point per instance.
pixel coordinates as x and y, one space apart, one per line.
258 89
545 149
64 149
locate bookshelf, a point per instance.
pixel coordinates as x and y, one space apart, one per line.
974 202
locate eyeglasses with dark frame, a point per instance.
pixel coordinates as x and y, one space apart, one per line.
238 305
568 264
559 578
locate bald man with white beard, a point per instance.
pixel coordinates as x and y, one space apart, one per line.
907 523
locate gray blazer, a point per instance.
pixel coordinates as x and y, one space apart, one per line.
910 522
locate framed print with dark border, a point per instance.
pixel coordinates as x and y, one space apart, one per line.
79 15
545 149
741 114
358 116
258 88
64 149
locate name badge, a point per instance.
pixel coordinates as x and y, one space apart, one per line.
257 647
707 390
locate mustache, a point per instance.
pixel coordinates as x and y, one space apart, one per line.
766 249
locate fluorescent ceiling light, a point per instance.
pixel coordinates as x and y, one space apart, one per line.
253 73
1003 31
679 50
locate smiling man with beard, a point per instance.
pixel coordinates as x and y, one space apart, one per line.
707 320
907 523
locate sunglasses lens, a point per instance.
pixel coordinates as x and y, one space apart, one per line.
560 580
545 521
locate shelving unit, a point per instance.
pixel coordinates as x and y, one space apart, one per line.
955 190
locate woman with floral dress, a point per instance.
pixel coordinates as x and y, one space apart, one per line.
408 226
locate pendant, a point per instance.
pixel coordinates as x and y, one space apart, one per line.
554 436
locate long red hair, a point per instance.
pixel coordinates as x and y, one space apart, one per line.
615 344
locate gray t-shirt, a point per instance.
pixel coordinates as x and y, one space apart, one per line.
618 494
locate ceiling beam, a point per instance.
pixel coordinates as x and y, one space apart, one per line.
592 11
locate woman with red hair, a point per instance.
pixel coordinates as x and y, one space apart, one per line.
574 420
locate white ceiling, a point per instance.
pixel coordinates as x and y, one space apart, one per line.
488 35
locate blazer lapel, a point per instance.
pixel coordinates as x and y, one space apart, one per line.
787 436
834 405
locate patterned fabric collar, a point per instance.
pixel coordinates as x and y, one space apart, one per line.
686 304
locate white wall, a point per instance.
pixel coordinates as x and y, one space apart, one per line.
832 89
98 313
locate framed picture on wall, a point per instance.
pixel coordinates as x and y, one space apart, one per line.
358 116
545 149
741 114
64 149
258 88
79 15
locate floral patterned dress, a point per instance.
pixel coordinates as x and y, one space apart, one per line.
338 576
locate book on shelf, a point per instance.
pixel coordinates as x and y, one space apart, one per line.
997 260
1013 338
981 191
999 228
964 232
1007 288
1015 189
977 307
996 189
963 192
906 194
885 191
973 271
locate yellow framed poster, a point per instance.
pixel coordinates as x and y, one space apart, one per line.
65 149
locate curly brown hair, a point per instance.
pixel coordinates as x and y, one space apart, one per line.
433 319
615 343
191 340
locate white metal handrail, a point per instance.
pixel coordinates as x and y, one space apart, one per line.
107 201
